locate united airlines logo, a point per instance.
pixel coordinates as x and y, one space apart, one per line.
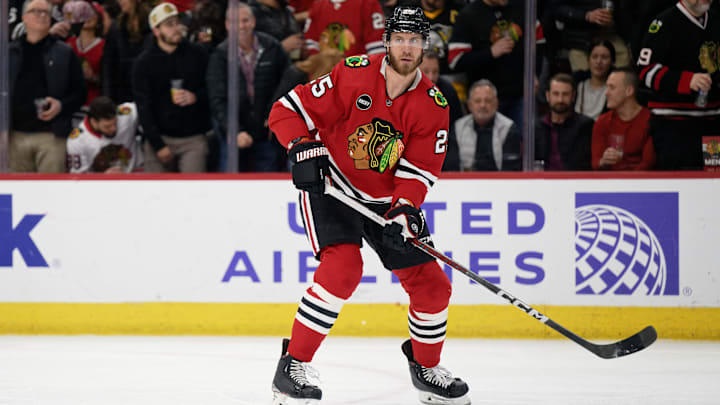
626 243
18 237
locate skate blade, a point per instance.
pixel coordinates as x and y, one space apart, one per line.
283 399
434 399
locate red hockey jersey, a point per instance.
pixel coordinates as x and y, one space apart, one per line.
90 58
380 149
352 26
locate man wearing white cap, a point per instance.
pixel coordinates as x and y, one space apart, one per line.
171 96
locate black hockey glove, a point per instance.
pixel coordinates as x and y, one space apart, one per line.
407 222
310 165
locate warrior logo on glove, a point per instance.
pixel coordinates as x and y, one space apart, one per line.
375 145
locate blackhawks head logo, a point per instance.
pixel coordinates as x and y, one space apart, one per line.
437 96
375 145
111 155
336 36
710 57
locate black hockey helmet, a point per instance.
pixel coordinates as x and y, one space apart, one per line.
407 19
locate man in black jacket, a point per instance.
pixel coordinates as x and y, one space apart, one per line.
487 43
563 138
262 63
46 87
171 96
584 21
274 18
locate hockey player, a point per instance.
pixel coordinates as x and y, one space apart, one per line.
105 140
680 62
379 129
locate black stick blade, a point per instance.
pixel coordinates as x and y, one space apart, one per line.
634 343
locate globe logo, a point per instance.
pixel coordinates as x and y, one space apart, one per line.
617 253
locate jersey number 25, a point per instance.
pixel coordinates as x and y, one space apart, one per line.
321 85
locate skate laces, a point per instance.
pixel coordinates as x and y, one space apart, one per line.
303 374
437 375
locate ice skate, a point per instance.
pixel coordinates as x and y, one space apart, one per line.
290 385
436 385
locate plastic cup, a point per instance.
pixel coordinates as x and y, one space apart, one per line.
175 85
617 141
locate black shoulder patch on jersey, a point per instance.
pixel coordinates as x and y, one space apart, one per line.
357 61
437 97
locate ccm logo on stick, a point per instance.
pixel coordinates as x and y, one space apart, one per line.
525 307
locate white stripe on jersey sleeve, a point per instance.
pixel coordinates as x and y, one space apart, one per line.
308 121
650 77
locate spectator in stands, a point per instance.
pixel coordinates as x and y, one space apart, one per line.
637 16
88 45
125 40
301 10
60 27
261 67
430 66
171 96
208 24
563 137
586 20
442 15
591 91
274 18
621 138
487 43
486 139
46 87
15 25
303 71
679 63
183 6
353 26
104 142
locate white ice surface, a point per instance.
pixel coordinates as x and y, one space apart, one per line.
111 370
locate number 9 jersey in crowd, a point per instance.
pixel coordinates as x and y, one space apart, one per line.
380 149
90 151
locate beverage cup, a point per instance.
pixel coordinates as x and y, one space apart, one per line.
41 105
617 141
175 85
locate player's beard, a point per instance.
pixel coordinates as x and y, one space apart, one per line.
400 67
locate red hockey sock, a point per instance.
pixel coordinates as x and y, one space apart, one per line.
335 280
429 290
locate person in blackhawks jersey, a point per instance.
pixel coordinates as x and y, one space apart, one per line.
680 63
104 142
378 128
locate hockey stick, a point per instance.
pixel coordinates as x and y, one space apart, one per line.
634 343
